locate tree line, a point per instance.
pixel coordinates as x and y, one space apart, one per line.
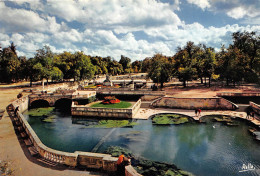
239 61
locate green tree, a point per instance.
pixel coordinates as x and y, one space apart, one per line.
9 65
161 69
126 63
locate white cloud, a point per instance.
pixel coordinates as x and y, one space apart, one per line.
122 16
14 20
134 28
200 3
236 9
238 12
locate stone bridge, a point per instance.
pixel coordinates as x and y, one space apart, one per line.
52 98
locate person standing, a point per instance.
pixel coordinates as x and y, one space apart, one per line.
120 165
196 112
199 111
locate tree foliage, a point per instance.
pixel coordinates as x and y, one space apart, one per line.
240 61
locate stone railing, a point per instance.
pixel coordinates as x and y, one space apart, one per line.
87 159
136 107
255 107
81 110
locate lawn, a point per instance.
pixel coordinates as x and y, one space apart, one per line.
122 104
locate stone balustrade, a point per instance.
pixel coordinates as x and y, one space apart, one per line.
255 107
89 160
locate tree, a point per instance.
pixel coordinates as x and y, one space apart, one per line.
161 69
146 65
126 63
9 65
185 62
137 66
44 57
249 45
208 64
231 65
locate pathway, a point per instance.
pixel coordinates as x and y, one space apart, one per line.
145 113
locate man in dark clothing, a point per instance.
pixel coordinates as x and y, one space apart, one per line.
16 110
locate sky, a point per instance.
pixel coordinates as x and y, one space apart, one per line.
134 28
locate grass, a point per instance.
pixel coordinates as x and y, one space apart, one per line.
169 119
122 104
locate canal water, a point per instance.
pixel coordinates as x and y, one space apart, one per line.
203 149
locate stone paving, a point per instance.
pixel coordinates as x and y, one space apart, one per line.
145 113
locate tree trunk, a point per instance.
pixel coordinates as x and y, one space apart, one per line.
161 85
201 80
205 83
209 81
227 82
30 82
184 83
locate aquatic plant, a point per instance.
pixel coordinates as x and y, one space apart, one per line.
38 112
49 119
112 124
147 167
225 120
168 119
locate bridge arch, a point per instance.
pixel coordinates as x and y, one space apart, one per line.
39 103
63 103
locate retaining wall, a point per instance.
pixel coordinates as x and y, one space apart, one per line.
255 107
87 159
194 103
238 94
80 110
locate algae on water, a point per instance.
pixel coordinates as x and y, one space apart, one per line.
147 167
168 119
38 112
49 119
44 113
112 124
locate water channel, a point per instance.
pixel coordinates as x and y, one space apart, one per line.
202 149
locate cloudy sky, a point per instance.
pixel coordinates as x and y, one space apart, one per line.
133 28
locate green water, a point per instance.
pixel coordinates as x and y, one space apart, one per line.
202 149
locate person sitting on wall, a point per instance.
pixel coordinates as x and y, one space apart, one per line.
121 164
16 110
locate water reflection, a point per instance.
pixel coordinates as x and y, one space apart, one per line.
203 149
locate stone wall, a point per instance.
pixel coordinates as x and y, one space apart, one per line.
130 171
238 94
194 103
81 110
87 159
255 107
